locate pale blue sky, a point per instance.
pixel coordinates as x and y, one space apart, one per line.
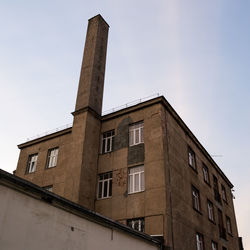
196 53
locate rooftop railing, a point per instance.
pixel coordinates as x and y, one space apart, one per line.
127 105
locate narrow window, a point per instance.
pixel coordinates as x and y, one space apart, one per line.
196 199
228 223
223 193
136 224
199 241
214 245
222 230
191 158
108 141
136 134
105 185
52 157
32 162
210 209
136 179
216 189
205 174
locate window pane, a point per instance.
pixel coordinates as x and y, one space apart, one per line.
130 182
136 183
105 191
110 188
142 181
137 136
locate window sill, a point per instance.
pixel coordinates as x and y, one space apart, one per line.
212 221
194 169
27 173
136 192
105 198
136 144
198 211
50 167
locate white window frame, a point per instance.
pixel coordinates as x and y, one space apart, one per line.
141 224
214 245
136 134
52 157
107 141
210 209
32 163
191 158
196 199
104 179
136 173
199 242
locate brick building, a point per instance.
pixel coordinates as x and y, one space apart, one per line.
141 165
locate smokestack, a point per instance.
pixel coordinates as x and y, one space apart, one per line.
91 83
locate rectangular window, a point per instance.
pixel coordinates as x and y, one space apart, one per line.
49 188
136 134
136 179
191 158
52 157
210 209
214 246
205 174
105 185
32 162
199 242
222 230
136 224
228 223
217 196
196 199
223 193
108 141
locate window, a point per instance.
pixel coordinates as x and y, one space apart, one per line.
210 209
205 174
107 141
105 185
191 158
216 189
136 224
199 242
214 246
49 188
196 199
136 134
32 162
228 223
52 157
223 193
222 230
136 179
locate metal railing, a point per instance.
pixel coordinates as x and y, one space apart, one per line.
52 131
129 104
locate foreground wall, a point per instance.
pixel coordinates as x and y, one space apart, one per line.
30 223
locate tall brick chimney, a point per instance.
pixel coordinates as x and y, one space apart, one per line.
82 170
90 89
